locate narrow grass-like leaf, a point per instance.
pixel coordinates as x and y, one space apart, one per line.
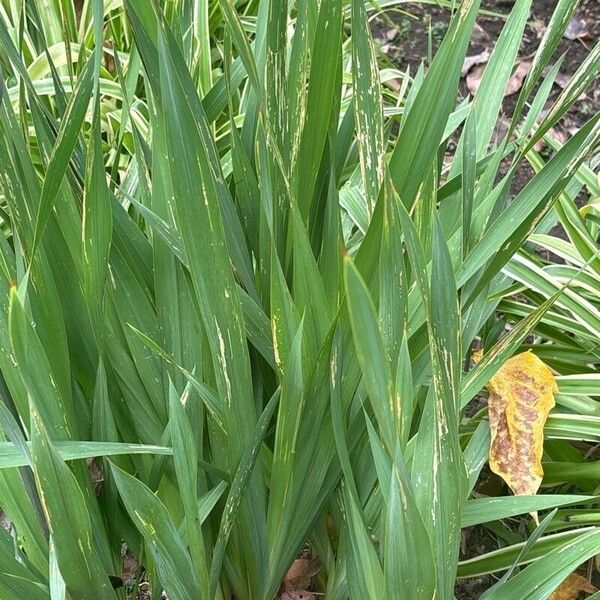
372 356
56 411
164 544
422 129
407 549
17 581
11 456
483 510
238 486
320 100
58 588
537 581
73 537
97 221
364 572
186 469
63 147
367 104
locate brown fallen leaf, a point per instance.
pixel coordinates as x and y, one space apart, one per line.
513 85
472 61
474 78
521 394
297 595
298 578
300 573
576 29
516 81
571 588
130 571
5 521
96 474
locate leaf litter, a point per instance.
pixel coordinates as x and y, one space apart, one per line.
572 587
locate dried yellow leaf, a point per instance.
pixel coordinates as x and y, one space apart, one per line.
521 395
571 588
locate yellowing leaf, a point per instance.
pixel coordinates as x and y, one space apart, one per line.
521 395
571 588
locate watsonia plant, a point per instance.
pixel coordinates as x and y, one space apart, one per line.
245 280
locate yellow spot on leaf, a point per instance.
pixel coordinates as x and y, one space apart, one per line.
521 394
571 588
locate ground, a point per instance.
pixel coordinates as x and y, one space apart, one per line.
406 38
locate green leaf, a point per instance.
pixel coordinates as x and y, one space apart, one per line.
320 102
503 558
73 537
11 456
365 576
58 588
409 563
32 362
504 235
18 581
63 147
238 486
372 356
483 510
538 580
97 222
368 105
186 469
422 129
163 543
439 474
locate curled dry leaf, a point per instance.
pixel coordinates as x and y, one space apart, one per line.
301 572
571 588
475 59
513 85
474 78
521 395
298 578
516 81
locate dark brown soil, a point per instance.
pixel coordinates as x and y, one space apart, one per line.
409 36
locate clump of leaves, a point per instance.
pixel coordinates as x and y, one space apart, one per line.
248 285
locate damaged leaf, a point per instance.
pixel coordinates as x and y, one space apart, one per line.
572 587
521 395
